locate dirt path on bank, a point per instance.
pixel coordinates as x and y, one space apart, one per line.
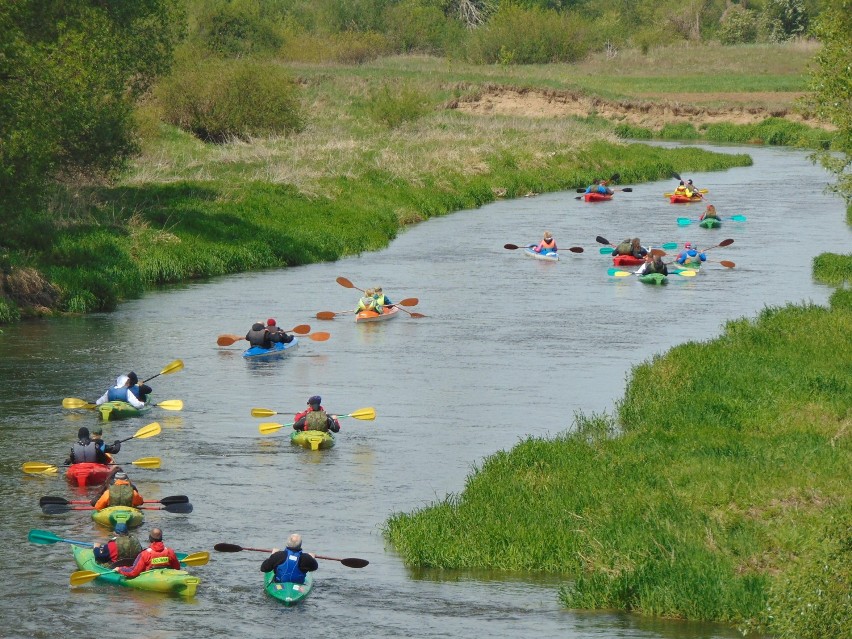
653 112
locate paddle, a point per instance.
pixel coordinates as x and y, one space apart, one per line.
685 221
45 537
727 242
512 247
145 432
701 191
349 562
607 250
626 189
57 509
266 428
414 315
80 577
614 272
39 467
614 178
229 338
74 402
166 501
174 367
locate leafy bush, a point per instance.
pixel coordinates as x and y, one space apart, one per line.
393 107
515 35
782 20
236 28
349 47
218 99
9 311
834 269
738 25
413 26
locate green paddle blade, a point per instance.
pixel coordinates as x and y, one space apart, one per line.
42 537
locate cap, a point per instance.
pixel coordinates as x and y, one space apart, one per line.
121 475
83 433
688 245
315 400
689 181
133 377
98 430
121 528
270 322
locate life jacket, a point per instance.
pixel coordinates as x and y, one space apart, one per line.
316 420
624 248
381 300
289 569
259 337
85 451
366 304
157 558
121 494
126 547
138 394
547 245
117 394
653 268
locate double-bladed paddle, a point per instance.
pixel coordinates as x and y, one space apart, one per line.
685 221
229 338
267 428
74 402
349 562
727 242
614 272
573 249
626 189
607 250
701 191
165 501
80 577
172 367
38 468
57 509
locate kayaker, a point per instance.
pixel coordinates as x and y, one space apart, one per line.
630 247
140 391
120 393
277 334
368 302
381 299
259 336
624 247
155 556
291 564
655 265
86 451
315 418
96 436
120 493
692 190
599 186
681 189
547 244
121 548
710 211
643 269
690 255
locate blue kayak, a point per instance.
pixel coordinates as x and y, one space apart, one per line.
278 349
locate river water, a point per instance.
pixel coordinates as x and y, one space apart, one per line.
511 347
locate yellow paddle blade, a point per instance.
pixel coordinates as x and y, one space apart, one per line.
622 274
171 404
81 577
687 273
74 402
147 462
174 367
196 559
269 427
148 431
262 412
364 413
38 468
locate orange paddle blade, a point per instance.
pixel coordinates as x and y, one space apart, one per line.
227 340
319 336
325 315
301 329
345 283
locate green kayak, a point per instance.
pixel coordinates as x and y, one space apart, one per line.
120 410
312 439
111 515
178 582
654 278
710 223
288 593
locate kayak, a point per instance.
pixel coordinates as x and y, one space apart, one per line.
288 593
88 473
710 223
111 515
684 199
627 260
372 316
654 278
120 410
278 349
168 580
596 197
550 256
312 439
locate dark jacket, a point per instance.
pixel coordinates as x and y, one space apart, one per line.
306 562
259 336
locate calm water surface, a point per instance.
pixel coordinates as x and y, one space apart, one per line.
512 347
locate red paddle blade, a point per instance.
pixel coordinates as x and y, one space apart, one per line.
301 329
325 315
344 282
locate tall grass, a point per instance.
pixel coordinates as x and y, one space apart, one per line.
718 485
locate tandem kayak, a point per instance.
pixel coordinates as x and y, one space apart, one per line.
120 410
596 197
278 349
312 439
654 278
88 473
550 256
684 199
372 316
111 515
627 260
168 580
288 593
710 223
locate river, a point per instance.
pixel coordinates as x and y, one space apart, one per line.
510 347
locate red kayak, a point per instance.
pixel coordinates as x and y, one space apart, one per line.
683 199
627 260
596 197
87 473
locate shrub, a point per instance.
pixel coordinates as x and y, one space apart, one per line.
738 25
782 20
834 269
412 26
217 99
348 47
236 28
393 107
9 311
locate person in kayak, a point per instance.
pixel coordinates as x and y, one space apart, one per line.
121 548
86 451
630 247
121 393
690 256
692 190
291 564
154 557
259 336
119 493
710 212
96 436
276 333
314 417
547 244
655 265
140 391
382 300
368 302
599 186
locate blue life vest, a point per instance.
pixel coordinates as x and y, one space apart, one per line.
289 570
117 394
